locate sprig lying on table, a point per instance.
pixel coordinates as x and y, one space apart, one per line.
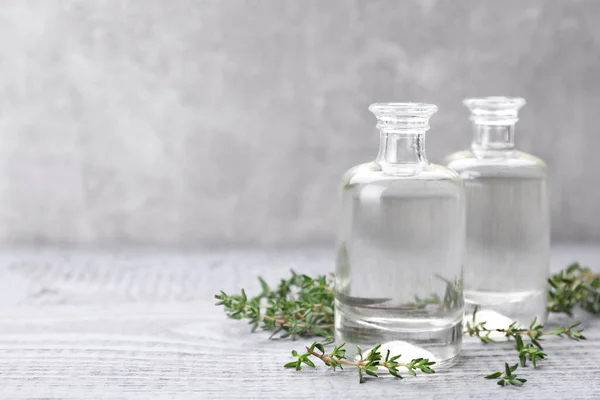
365 365
532 351
302 306
535 332
509 378
573 287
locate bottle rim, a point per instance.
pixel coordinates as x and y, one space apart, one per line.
493 103
416 109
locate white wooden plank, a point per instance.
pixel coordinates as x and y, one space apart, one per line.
142 324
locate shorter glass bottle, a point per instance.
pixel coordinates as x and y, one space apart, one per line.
400 245
508 224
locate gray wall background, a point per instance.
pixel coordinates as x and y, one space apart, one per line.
190 122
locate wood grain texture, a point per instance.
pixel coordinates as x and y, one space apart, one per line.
141 324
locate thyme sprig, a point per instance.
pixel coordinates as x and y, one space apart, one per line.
365 365
572 287
532 351
507 377
534 332
300 306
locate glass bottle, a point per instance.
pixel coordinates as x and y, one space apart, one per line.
508 225
400 245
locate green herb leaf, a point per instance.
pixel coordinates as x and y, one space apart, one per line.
494 375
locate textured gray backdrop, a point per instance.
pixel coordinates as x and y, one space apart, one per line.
185 122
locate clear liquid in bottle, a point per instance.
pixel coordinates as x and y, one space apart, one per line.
400 246
508 226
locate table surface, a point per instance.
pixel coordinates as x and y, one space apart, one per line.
141 324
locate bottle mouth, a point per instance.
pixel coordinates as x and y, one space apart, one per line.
494 103
494 110
409 109
403 118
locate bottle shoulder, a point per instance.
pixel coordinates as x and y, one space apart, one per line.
515 163
373 172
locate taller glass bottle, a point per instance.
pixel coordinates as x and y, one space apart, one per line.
508 224
400 245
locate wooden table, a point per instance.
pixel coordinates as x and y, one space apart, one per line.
141 324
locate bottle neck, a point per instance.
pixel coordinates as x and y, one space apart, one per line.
493 140
401 153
